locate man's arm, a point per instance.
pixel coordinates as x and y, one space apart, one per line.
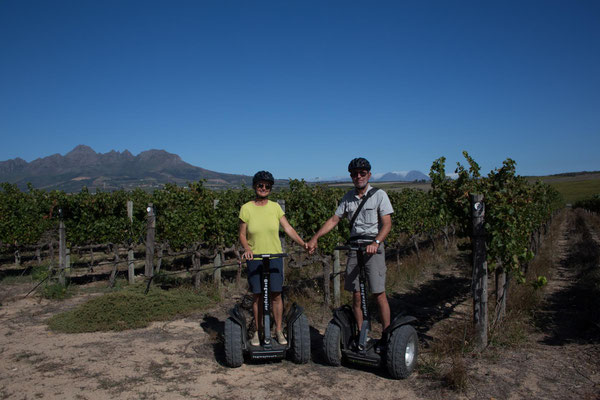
325 229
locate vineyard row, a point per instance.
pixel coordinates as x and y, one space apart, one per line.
194 217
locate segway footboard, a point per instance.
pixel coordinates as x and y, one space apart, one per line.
259 353
367 357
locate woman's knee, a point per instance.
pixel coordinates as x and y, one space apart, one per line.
276 296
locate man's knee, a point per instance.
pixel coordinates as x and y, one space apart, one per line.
381 298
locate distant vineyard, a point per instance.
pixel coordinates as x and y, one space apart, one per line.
591 204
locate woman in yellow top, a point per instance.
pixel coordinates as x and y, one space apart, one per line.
259 233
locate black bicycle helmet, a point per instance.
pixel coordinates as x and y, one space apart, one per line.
264 176
359 163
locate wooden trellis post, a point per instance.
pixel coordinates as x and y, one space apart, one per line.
217 262
130 259
151 227
62 249
480 290
217 270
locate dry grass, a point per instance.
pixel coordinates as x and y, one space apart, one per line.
457 377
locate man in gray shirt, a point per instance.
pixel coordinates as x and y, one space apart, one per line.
371 226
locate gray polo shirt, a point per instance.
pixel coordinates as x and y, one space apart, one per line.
368 221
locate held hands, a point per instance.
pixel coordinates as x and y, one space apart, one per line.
311 246
308 248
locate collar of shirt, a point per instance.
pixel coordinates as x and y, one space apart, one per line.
366 191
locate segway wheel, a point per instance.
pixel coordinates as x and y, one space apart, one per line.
332 346
300 345
233 344
402 351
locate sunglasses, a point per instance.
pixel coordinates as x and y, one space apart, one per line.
263 186
354 174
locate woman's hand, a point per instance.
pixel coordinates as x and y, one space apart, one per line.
248 255
311 246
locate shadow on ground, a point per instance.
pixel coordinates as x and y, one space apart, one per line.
433 301
215 328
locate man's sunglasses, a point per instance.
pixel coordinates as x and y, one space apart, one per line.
264 186
354 174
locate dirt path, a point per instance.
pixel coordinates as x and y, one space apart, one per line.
561 360
183 359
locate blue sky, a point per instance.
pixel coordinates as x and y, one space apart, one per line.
301 87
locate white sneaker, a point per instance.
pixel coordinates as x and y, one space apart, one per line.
281 339
255 341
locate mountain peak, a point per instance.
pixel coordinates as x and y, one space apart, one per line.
403 176
81 150
161 155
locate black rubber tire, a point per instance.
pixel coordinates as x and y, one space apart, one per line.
332 345
234 356
402 352
300 345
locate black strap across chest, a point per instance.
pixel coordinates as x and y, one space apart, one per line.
360 206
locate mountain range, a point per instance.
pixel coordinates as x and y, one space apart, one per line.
150 169
82 166
398 176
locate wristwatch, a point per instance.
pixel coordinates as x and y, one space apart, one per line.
378 242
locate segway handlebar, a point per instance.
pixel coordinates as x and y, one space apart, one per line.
270 255
352 246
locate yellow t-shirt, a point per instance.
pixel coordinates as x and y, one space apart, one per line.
262 226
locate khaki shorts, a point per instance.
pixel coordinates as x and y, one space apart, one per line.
376 270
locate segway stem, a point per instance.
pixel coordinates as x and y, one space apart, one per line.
366 324
266 281
265 278
365 327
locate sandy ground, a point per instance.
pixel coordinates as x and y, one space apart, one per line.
183 359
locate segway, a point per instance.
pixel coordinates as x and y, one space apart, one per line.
237 343
398 347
